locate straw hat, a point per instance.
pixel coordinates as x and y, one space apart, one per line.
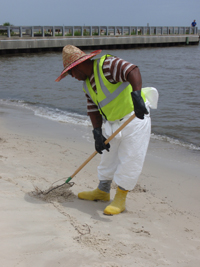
73 56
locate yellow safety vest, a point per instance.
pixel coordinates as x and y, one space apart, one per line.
114 101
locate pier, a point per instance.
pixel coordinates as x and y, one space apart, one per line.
14 39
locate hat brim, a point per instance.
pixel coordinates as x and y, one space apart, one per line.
64 73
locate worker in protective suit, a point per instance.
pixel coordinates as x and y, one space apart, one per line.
114 92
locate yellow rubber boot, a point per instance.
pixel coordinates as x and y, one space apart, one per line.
96 194
118 204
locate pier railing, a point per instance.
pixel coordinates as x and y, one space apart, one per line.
71 31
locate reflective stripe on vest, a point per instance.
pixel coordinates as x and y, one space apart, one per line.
87 91
109 96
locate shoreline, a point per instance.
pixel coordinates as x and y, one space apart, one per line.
160 226
82 120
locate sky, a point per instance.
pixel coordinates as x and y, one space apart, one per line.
99 13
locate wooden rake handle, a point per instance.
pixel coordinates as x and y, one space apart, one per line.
106 142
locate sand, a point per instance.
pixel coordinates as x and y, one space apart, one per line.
160 226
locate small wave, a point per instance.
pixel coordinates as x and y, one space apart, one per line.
54 114
174 141
75 118
62 116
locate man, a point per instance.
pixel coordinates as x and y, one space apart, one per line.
194 23
113 90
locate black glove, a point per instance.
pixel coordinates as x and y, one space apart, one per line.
99 141
139 105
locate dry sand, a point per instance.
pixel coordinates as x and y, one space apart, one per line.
160 226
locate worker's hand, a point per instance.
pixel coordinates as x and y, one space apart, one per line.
139 105
99 141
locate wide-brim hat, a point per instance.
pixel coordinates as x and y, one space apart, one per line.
73 56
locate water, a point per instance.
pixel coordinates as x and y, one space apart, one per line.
28 81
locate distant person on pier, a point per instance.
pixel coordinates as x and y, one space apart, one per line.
113 88
194 23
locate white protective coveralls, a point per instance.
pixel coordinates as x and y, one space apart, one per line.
124 162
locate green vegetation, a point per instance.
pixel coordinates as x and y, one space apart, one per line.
7 24
58 34
77 33
4 32
86 34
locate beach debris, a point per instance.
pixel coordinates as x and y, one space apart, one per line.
58 193
137 189
67 185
